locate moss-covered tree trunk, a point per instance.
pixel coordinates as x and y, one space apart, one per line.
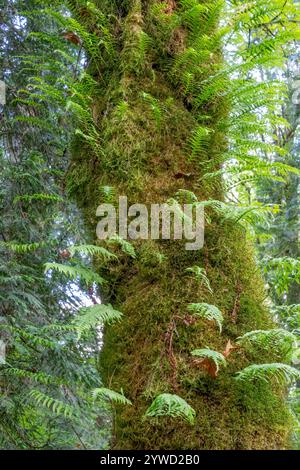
145 119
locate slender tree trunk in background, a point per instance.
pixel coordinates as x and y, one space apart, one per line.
144 156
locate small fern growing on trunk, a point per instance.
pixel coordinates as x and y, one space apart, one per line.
208 312
281 373
168 404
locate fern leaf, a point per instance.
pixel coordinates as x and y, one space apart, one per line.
37 197
279 340
167 404
125 246
208 312
108 193
186 197
22 247
58 407
200 275
281 373
110 395
74 272
215 357
154 106
38 377
199 141
91 250
91 317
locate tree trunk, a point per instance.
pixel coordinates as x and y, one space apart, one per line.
145 121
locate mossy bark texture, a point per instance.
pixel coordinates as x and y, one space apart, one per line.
145 121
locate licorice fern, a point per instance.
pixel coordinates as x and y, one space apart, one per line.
91 317
125 246
186 196
208 312
107 193
200 275
22 247
74 272
38 197
281 373
91 250
167 404
215 357
155 107
111 396
30 376
278 340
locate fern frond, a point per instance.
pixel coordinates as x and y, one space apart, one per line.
281 373
110 395
208 312
199 142
167 404
125 246
185 196
107 193
154 106
200 275
37 197
214 356
122 109
91 317
74 272
38 377
250 215
30 337
91 250
278 340
22 247
58 407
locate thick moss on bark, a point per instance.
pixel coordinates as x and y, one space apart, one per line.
144 156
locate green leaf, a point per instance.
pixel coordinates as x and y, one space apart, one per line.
278 340
74 272
216 357
91 250
200 275
281 373
125 246
110 395
167 404
91 317
208 312
58 407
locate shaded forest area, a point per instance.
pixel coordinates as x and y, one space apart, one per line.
141 343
